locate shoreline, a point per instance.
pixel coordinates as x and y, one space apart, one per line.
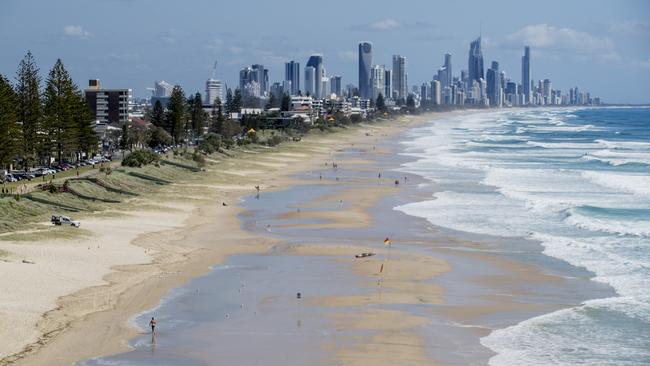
110 326
196 258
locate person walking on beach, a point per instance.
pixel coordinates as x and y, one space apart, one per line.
152 324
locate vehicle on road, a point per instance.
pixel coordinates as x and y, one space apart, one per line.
64 220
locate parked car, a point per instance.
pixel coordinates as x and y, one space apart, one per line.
64 220
10 178
23 175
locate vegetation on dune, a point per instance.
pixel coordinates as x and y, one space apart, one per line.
140 158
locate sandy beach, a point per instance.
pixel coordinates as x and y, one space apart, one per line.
80 294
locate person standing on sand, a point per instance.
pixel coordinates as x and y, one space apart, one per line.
152 324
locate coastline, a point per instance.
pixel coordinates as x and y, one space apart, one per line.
134 288
434 261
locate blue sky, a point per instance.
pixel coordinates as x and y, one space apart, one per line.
601 46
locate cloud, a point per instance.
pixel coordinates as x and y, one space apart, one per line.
631 27
76 31
561 41
385 24
379 25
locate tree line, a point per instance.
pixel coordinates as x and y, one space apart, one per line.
41 125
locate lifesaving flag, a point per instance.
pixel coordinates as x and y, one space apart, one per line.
386 242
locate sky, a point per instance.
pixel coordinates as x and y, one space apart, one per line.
600 46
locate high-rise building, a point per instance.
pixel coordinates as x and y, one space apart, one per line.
316 61
435 92
310 81
494 85
400 89
161 92
108 105
425 91
162 89
525 75
277 90
475 61
388 84
365 63
377 82
256 73
445 73
336 86
292 74
213 90
546 91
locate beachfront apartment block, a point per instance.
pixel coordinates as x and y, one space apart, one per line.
108 105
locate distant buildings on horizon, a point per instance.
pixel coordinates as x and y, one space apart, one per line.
474 86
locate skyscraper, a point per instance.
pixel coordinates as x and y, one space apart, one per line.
335 85
365 63
316 61
400 90
475 61
256 73
310 81
292 74
445 73
435 92
494 85
525 75
212 91
388 84
377 82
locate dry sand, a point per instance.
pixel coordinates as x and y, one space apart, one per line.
79 294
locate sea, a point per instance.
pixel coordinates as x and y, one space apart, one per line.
575 180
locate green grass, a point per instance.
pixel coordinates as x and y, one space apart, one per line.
56 233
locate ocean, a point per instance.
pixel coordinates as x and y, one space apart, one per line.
575 180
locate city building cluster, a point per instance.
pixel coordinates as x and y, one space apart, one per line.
314 93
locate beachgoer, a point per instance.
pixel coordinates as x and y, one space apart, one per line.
379 175
152 324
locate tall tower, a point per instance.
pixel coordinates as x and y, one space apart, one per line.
213 89
525 75
400 90
292 74
316 61
365 63
494 85
475 61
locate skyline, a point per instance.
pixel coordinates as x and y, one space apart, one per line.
610 57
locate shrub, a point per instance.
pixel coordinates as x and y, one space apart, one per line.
139 158
199 159
210 144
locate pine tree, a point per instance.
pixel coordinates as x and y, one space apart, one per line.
286 102
158 115
176 114
217 117
229 107
198 117
86 138
10 133
59 107
124 139
380 104
29 109
236 101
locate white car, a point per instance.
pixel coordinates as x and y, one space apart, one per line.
64 220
